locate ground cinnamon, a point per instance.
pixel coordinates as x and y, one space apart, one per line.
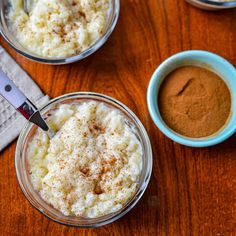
194 101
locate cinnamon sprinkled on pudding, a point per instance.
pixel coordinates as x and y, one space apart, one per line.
91 167
59 28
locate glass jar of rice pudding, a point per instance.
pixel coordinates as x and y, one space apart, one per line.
78 194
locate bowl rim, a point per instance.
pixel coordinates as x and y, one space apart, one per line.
61 61
221 4
214 4
154 111
145 141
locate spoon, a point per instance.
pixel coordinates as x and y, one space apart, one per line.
212 5
22 104
27 4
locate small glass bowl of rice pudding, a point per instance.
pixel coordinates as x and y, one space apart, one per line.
58 31
96 167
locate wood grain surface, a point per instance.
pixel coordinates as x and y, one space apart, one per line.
192 191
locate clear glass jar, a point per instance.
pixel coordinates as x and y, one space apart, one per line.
22 167
11 39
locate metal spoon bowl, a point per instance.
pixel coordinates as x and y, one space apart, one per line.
212 5
27 4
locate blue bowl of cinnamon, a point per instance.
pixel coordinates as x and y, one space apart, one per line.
192 98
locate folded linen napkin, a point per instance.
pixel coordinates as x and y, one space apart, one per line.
11 122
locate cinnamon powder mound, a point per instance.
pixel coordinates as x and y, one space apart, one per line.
194 101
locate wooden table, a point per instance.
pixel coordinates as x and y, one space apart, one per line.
192 191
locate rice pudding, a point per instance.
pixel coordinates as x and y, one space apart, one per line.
59 28
91 167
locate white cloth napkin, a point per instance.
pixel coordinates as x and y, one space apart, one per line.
11 122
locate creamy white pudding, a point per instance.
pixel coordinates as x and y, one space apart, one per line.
59 28
91 167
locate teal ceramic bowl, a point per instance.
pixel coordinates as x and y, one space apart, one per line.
206 60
